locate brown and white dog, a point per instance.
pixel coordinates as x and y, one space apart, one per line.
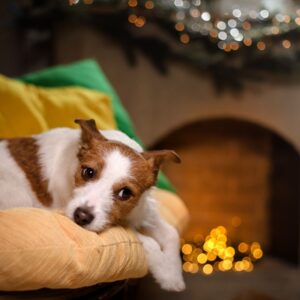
100 179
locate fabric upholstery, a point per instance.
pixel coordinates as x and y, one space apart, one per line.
43 249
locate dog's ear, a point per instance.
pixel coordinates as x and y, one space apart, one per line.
157 158
89 131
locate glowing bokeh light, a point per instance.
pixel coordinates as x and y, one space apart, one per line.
187 249
207 269
212 253
179 26
257 253
261 46
132 3
202 258
286 44
184 38
243 247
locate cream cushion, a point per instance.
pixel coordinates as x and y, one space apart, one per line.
43 249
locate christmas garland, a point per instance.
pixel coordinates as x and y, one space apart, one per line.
241 44
255 44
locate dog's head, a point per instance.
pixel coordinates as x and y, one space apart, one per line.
110 178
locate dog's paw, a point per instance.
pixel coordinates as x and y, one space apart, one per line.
172 283
165 267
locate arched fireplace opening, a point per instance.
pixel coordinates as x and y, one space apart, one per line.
240 175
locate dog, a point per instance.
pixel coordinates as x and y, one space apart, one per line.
100 179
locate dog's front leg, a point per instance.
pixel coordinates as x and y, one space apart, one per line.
165 267
161 243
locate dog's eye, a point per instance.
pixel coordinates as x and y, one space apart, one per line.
88 173
125 194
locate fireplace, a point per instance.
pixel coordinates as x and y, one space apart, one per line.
240 175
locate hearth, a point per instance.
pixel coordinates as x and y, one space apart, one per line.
242 176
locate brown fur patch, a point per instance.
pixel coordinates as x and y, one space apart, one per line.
25 153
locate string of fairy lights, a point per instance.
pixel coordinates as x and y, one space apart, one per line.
265 35
230 32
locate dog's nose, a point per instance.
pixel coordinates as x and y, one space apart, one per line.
83 216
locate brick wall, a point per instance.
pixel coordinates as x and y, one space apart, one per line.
224 177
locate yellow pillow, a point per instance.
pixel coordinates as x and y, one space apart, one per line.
40 249
26 109
44 249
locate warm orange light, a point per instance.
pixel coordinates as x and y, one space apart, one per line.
186 266
238 266
214 233
187 249
202 258
297 21
193 256
261 46
227 47
248 42
209 245
140 22
213 34
243 247
194 268
286 44
88 2
227 264
234 46
250 268
222 239
257 253
184 38
179 26
246 264
229 252
132 18
207 269
149 4
211 256
132 3
222 229
255 245
221 267
214 248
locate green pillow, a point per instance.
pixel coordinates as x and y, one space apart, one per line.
88 74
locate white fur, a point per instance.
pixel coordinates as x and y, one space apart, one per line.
58 158
161 243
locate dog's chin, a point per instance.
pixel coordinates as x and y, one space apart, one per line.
97 225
